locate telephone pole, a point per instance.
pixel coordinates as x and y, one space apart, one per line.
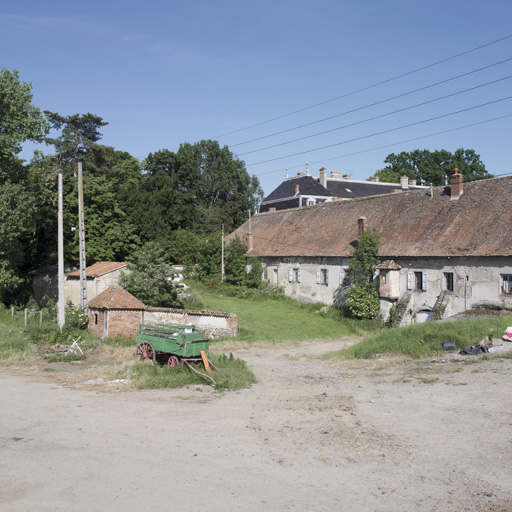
81 234
60 270
222 256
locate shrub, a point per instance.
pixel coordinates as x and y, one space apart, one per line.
361 303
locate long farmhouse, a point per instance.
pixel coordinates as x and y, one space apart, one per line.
443 249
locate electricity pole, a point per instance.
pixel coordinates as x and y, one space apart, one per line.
222 256
81 234
60 270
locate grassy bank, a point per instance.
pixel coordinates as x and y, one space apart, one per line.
278 319
427 339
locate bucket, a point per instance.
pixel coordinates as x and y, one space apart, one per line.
448 345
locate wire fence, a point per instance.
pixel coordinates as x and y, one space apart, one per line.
27 317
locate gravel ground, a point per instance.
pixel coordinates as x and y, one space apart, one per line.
312 435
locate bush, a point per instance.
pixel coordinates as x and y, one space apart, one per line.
361 303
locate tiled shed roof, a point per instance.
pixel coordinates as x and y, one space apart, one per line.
411 224
99 268
116 297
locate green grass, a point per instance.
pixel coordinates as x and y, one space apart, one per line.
426 339
233 374
278 319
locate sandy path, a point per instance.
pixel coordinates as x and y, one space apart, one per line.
311 436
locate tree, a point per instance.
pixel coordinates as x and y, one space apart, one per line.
254 276
432 166
150 278
19 121
236 268
361 298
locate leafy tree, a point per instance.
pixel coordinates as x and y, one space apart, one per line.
254 276
236 268
19 121
150 279
432 166
361 298
210 256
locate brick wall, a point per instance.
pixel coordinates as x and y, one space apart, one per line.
122 322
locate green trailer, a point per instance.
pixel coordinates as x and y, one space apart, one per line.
178 343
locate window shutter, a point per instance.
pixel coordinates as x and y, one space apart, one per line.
318 277
290 275
327 277
424 281
342 276
298 275
409 280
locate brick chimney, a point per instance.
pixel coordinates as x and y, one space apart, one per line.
296 190
456 188
404 182
347 176
362 224
323 177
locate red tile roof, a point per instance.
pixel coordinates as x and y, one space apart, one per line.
116 297
411 224
99 268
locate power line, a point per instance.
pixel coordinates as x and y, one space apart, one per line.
382 132
389 145
371 104
367 87
377 117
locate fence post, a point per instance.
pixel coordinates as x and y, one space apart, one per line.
26 316
40 318
12 312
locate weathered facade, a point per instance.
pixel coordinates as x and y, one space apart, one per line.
443 250
99 277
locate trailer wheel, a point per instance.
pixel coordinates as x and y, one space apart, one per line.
173 361
145 352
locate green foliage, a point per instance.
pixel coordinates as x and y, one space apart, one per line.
150 277
19 121
76 318
235 266
254 276
433 166
426 339
361 302
361 299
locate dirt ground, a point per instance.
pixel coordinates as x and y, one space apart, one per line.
312 435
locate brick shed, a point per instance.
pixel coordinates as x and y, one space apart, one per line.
115 312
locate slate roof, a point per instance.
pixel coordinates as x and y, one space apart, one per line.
99 268
116 297
352 189
308 186
411 224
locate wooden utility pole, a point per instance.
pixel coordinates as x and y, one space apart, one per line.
60 270
81 234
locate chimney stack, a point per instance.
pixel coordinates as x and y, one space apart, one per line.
412 183
323 177
296 190
456 188
404 182
335 175
347 176
374 179
272 209
362 224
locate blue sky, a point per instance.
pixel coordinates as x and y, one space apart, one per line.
164 73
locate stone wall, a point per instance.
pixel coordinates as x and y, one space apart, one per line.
211 323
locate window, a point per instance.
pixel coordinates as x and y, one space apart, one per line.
448 281
322 276
265 274
294 275
95 318
417 281
342 277
506 284
276 277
